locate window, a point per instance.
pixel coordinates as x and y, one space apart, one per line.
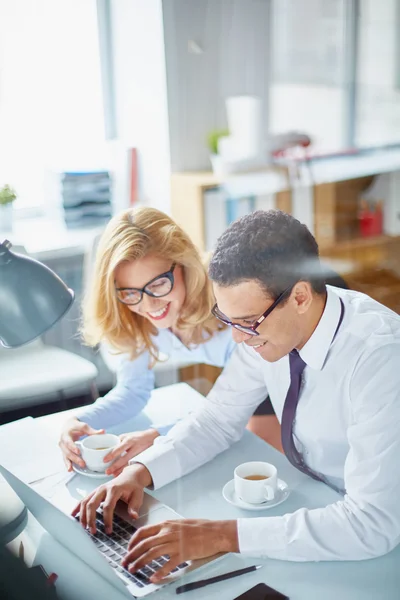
51 112
309 67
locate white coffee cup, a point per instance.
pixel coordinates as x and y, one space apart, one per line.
95 447
256 491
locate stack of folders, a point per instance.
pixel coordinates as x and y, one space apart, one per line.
86 198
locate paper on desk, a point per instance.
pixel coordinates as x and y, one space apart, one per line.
27 451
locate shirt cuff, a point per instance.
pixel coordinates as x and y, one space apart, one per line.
263 537
161 461
164 429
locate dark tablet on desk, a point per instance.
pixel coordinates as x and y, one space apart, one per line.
262 591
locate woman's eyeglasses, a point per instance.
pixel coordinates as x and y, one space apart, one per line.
156 288
251 329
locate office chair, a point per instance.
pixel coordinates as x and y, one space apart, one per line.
38 373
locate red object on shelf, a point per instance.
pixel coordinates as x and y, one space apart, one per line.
133 177
371 221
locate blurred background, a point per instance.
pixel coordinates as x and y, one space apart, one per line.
205 109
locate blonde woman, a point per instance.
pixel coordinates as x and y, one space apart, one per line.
150 294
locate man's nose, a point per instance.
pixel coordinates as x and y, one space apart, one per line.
239 336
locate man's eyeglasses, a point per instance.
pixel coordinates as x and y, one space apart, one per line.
251 329
156 288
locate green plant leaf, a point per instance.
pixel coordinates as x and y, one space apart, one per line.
7 195
213 138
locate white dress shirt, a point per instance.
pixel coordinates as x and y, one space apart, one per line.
347 426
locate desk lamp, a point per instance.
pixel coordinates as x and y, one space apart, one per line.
32 299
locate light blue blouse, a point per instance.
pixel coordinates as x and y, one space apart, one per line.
135 380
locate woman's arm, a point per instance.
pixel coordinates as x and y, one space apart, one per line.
135 382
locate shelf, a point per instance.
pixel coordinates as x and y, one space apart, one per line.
360 243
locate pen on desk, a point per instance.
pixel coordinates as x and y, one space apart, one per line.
203 582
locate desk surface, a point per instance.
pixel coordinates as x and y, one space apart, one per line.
45 238
198 495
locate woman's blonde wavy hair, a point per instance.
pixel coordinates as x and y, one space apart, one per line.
131 235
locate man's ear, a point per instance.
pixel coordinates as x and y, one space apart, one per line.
303 296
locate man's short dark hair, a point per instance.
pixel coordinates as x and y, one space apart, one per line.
271 247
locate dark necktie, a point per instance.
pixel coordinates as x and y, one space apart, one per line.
297 366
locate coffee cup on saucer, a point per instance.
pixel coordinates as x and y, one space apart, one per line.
95 447
256 482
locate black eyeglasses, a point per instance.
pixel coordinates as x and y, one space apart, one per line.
251 329
156 288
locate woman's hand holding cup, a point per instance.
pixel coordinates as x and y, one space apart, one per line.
72 431
130 445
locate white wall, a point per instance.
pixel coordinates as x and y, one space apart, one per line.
141 100
378 98
233 41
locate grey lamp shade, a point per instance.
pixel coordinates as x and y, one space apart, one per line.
32 298
13 513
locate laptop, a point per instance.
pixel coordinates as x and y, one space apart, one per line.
103 552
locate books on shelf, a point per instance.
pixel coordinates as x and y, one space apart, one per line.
220 210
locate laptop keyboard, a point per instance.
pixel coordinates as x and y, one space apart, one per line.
114 546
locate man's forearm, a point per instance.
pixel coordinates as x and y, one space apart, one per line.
155 433
141 474
228 535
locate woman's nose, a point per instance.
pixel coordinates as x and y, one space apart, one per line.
150 304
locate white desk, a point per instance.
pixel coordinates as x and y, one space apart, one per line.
48 238
199 495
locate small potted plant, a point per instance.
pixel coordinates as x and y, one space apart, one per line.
212 141
7 197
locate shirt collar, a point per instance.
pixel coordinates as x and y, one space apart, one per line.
314 352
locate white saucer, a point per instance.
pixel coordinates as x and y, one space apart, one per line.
230 496
89 473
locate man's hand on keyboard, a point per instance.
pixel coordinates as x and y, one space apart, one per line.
181 540
128 487
130 444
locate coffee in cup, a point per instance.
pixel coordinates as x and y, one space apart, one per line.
256 482
95 447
